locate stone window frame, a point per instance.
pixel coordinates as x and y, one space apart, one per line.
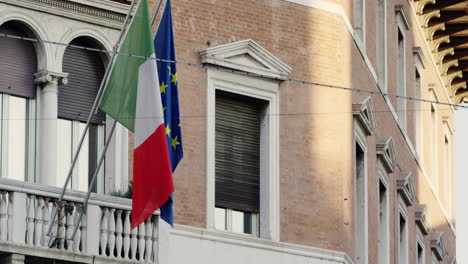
403 212
386 164
422 229
237 56
402 25
364 124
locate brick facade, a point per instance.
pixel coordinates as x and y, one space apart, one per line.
316 122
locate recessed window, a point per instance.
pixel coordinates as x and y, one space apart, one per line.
17 104
360 20
403 240
360 205
383 224
85 71
381 42
401 79
237 161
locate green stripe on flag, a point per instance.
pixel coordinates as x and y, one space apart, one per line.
120 93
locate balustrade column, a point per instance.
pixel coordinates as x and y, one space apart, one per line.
47 113
148 239
118 234
45 225
38 221
30 219
3 216
126 234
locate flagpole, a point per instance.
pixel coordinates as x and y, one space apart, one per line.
156 13
93 109
93 180
101 159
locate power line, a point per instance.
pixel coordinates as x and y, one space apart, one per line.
202 66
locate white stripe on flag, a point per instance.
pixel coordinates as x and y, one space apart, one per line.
148 114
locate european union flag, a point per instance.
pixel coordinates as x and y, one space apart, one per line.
164 46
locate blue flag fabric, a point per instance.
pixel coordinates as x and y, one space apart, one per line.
167 71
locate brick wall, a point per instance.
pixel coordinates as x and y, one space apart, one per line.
316 122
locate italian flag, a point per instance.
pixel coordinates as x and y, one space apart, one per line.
131 97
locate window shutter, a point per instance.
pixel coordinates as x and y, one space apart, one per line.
85 72
237 152
18 64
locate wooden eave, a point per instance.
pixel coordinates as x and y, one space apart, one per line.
445 23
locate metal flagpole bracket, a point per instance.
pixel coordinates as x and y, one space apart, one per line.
92 112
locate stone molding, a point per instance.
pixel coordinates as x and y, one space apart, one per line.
401 11
246 56
386 152
364 113
438 245
418 53
420 218
405 186
96 14
324 255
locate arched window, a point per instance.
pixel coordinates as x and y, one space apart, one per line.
18 64
85 71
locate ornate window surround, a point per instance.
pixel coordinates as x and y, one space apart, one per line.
248 56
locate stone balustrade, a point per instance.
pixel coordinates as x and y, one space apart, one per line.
25 216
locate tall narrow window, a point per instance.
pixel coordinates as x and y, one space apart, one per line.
237 164
420 248
418 135
433 144
401 79
403 240
446 178
360 20
75 100
360 205
382 42
17 105
383 225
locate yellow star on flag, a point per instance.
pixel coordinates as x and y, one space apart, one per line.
175 142
168 130
163 87
174 78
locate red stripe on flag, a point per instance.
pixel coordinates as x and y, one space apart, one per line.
152 176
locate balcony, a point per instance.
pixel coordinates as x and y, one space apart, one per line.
104 235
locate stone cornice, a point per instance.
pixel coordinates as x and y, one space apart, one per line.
106 13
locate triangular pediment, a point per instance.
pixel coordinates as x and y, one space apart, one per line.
405 186
363 111
420 218
246 56
438 245
386 152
